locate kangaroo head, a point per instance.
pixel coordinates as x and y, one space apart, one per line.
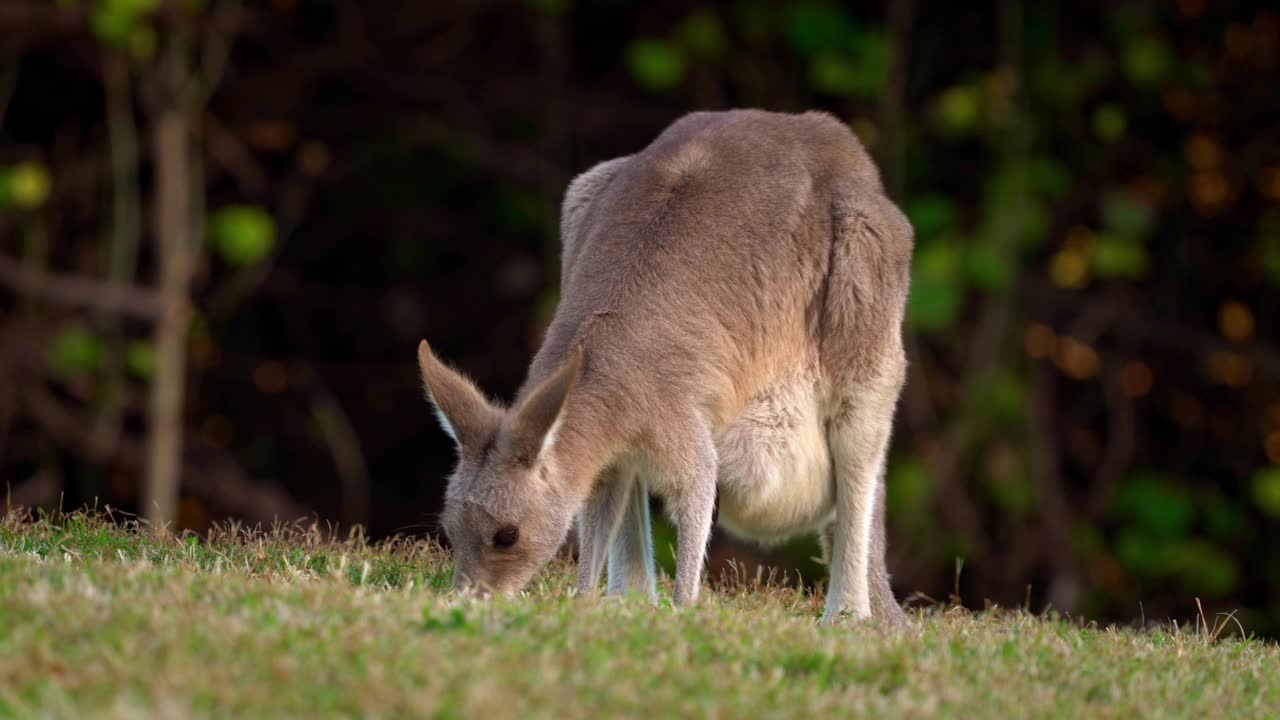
507 508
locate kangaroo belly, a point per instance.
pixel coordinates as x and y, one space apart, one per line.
775 469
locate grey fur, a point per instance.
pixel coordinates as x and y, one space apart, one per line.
730 321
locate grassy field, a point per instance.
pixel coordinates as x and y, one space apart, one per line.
99 620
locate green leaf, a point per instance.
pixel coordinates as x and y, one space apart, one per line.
871 52
1110 123
1126 214
139 359
936 294
702 34
1266 490
1013 493
137 7
75 350
1144 554
1115 257
931 215
1069 84
242 234
988 268
938 260
858 72
812 28
956 109
142 41
933 305
1224 516
1205 569
1156 505
1146 61
1086 540
1034 222
1014 213
834 74
1202 568
26 185
655 65
1048 176
907 491
754 20
112 22
1003 398
1005 478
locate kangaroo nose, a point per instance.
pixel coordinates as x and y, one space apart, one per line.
464 585
461 583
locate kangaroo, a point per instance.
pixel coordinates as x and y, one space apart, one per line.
729 326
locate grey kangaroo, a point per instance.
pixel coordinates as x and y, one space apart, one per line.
730 325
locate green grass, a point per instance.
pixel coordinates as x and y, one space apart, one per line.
100 620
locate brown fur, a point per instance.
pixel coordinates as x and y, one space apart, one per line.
730 317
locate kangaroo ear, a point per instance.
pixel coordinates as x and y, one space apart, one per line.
463 411
532 426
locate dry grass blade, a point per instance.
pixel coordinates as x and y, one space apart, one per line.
103 618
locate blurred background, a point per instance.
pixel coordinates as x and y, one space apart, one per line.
224 227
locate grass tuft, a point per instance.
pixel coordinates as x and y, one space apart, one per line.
99 617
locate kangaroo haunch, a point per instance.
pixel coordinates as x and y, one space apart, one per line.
730 322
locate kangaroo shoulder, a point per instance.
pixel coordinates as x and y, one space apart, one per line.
582 191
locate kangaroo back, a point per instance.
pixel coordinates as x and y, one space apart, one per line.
729 324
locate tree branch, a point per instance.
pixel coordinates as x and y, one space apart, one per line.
210 473
214 54
8 81
1055 511
893 100
78 291
229 152
7 401
344 446
126 233
1119 450
1129 318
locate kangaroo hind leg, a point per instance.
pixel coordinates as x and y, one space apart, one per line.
631 552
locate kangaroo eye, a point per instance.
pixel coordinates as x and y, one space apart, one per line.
506 537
